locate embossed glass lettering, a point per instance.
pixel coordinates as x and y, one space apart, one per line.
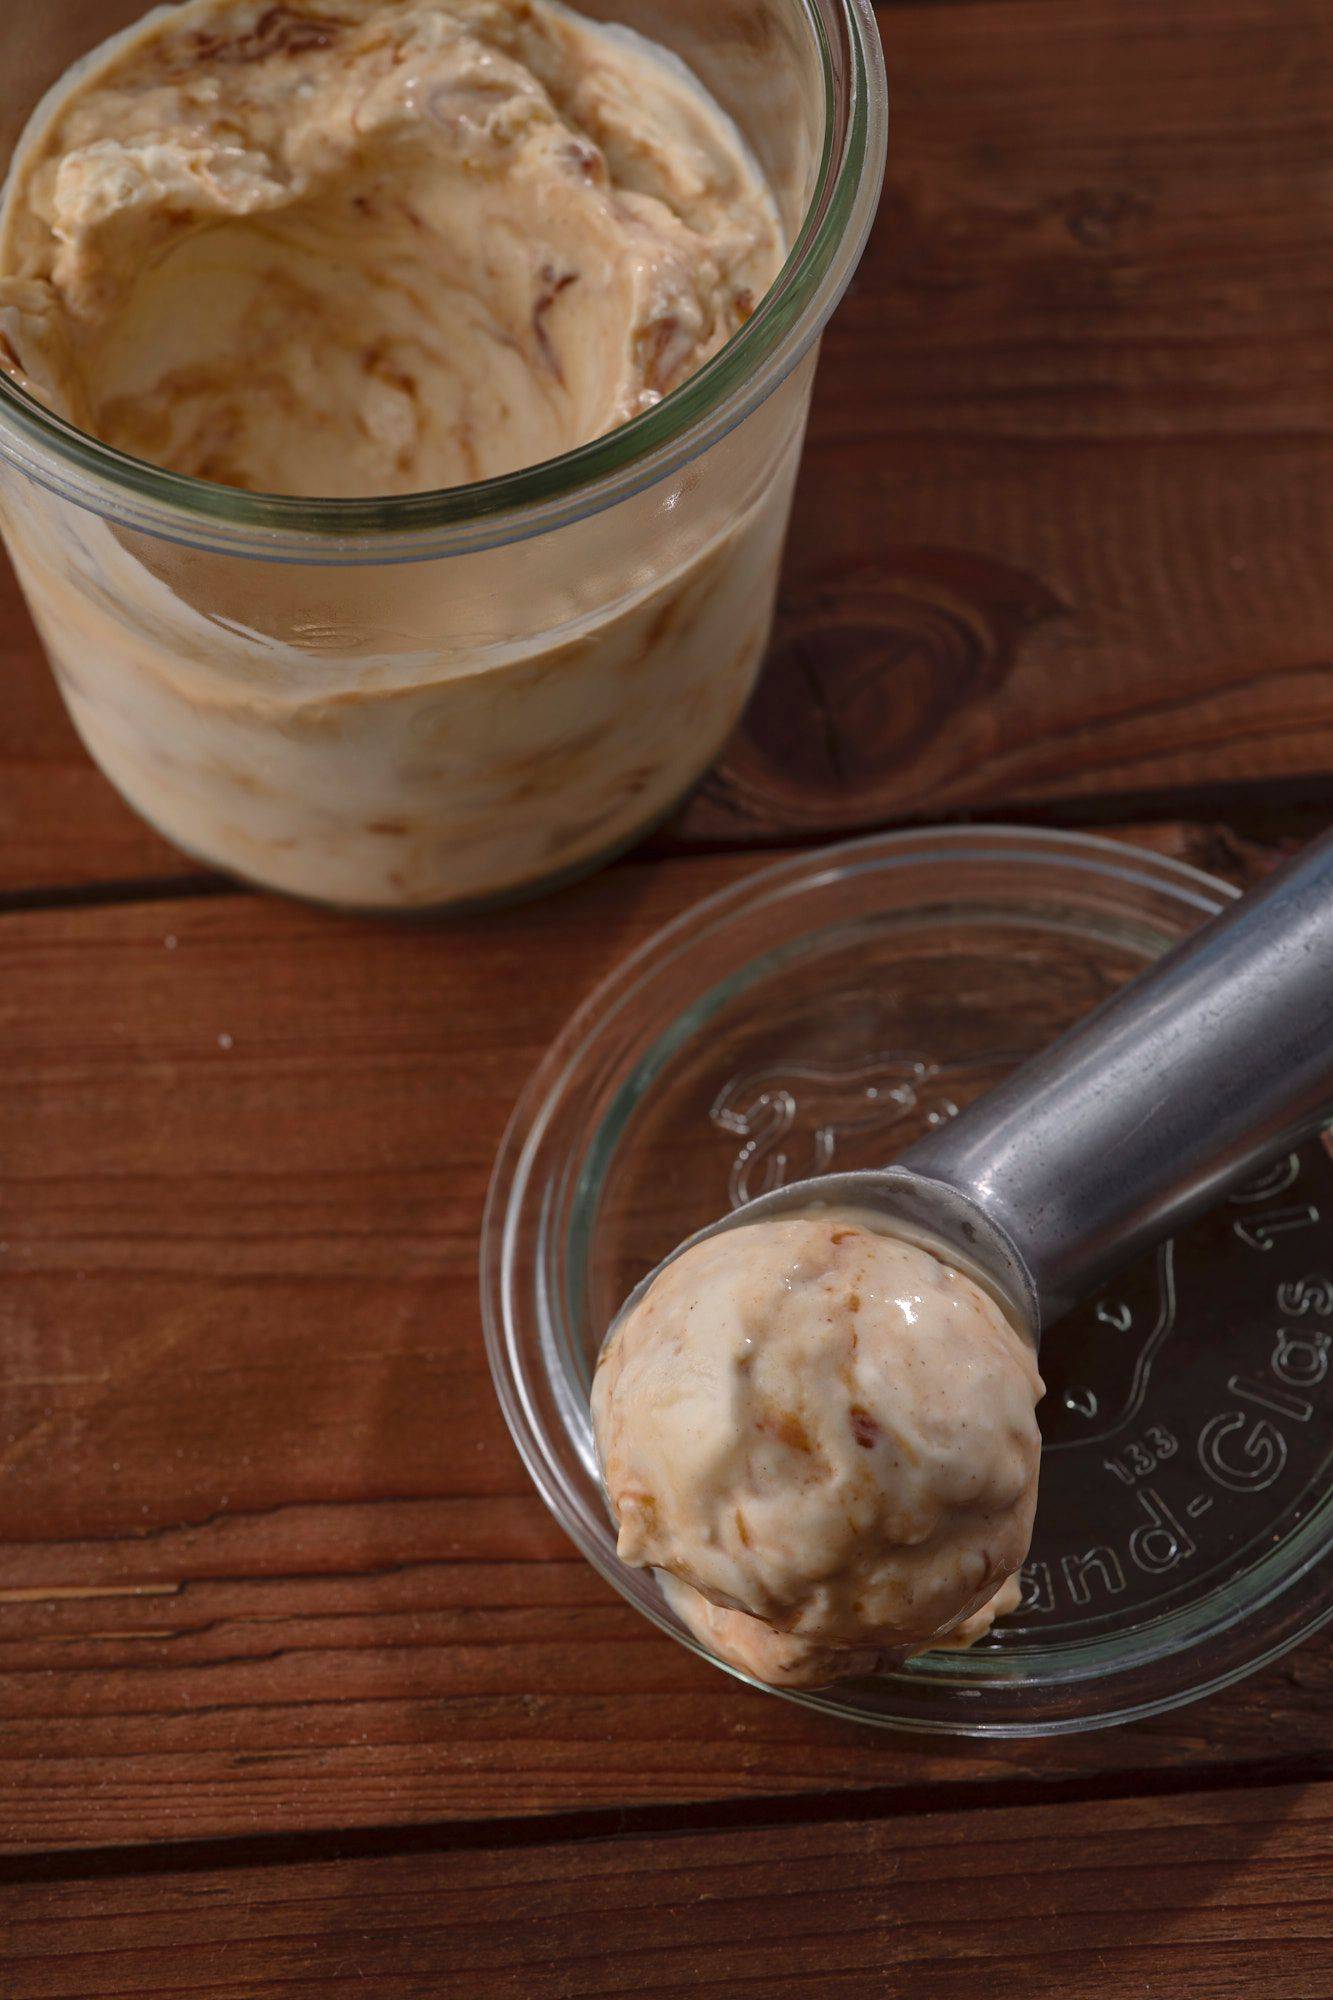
1245 1467
1301 1358
1100 1562
1160 1542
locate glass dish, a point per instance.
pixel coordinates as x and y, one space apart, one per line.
821 1014
444 699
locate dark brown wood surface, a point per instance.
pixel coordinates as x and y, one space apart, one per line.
271 1575
1064 529
1221 1897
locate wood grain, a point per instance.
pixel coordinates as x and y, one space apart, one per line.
267 1558
1063 527
1062 534
1224 1897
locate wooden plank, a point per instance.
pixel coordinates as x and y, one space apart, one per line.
1063 529
267 1558
1222 1897
1062 533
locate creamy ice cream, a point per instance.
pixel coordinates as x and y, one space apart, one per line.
789 1659
343 248
374 246
825 1437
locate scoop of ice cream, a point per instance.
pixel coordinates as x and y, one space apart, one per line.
782 1659
979 1624
344 247
823 1428
786 1659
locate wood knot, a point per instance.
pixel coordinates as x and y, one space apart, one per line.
866 682
1099 218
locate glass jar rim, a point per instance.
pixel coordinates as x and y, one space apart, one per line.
536 499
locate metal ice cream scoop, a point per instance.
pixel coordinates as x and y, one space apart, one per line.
1215 1059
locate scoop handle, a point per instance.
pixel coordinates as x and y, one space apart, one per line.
1218 1057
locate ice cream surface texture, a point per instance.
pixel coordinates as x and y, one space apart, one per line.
825 1438
367 247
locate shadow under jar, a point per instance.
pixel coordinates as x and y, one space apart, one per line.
444 699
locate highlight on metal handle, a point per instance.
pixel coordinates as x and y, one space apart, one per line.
1217 1057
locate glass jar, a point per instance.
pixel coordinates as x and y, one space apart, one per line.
448 698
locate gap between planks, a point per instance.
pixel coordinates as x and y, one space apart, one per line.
877 1806
1293 810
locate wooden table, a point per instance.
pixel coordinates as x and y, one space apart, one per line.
300 1689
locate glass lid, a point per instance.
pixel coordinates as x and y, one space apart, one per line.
821 1014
